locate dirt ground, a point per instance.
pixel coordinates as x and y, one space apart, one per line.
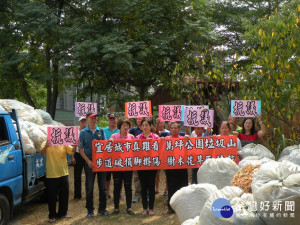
36 212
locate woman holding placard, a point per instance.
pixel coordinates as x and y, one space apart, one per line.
249 134
147 177
119 176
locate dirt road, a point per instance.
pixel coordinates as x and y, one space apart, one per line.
36 212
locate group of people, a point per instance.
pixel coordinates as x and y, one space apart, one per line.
144 180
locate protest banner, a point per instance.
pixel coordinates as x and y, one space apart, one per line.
245 108
62 135
198 118
192 152
173 153
195 107
81 108
169 112
138 109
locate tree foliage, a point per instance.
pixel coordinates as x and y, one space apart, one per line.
274 74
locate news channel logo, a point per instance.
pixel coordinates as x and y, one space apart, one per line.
221 208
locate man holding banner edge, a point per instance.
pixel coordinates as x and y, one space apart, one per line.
90 133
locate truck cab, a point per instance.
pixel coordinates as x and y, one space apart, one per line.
21 176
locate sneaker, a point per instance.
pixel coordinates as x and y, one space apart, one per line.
171 211
103 213
136 199
90 215
145 212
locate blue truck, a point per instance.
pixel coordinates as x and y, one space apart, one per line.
22 177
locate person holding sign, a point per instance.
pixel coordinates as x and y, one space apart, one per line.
87 135
178 178
119 176
108 131
135 131
78 162
249 134
199 132
57 179
147 177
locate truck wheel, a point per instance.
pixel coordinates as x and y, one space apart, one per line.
4 210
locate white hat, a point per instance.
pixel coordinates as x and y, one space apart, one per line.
81 118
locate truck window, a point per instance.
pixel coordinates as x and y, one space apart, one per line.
3 133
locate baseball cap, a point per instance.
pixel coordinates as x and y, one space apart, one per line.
111 115
90 114
81 118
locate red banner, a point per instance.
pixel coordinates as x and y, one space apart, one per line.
152 154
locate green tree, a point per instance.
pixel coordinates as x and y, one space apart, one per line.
34 49
274 74
137 43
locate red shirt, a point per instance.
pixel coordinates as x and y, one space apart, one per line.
151 136
250 137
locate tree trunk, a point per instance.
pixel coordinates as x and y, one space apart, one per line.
48 82
142 91
26 94
54 90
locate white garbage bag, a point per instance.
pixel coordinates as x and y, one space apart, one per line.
30 116
9 104
292 165
28 144
217 171
256 150
24 111
254 160
194 221
34 132
46 116
293 157
276 189
189 201
288 150
245 210
207 216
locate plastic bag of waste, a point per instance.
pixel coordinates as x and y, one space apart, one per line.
194 221
256 150
189 201
254 160
276 189
46 116
245 210
217 171
27 143
213 215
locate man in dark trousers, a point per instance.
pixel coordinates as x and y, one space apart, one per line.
135 131
87 135
78 162
176 178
